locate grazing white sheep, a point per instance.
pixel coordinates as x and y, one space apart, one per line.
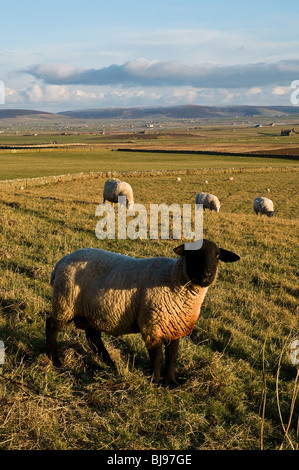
114 188
206 181
209 201
263 205
178 179
160 298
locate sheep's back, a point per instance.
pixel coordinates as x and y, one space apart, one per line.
200 198
263 204
114 188
104 287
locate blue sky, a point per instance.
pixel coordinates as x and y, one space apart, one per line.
62 55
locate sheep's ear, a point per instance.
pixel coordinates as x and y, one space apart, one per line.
228 256
179 250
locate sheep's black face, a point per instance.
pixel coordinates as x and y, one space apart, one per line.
201 264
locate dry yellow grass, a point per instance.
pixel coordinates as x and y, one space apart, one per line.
240 344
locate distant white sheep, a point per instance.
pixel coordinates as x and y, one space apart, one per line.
114 188
263 205
209 201
178 179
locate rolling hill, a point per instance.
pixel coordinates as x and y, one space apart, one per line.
181 112
170 112
16 113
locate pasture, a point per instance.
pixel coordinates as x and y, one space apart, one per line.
91 151
36 163
238 385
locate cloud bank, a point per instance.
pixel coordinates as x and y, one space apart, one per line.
142 72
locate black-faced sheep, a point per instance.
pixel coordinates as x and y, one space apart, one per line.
160 298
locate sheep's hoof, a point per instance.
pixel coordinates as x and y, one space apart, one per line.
171 382
56 362
154 379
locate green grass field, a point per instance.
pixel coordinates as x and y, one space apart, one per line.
34 163
96 153
239 387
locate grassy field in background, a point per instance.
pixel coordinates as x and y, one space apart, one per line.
34 163
96 153
238 383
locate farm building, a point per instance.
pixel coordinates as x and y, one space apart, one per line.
287 131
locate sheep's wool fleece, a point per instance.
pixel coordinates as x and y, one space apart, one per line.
263 205
209 201
119 294
114 188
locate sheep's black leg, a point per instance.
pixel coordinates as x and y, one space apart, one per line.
155 353
94 338
171 354
51 335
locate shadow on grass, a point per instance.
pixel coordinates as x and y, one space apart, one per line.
49 218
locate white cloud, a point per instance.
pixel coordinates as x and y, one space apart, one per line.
49 93
51 72
145 73
57 93
35 94
128 93
281 90
13 96
227 96
186 94
254 91
67 97
84 96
